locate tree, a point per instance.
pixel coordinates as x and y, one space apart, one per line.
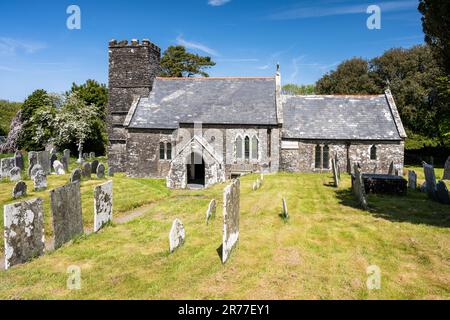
8 110
295 89
351 77
177 62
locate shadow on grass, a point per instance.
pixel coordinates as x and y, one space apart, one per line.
414 208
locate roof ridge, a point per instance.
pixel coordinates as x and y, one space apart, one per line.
214 78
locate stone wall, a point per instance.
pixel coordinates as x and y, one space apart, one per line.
302 159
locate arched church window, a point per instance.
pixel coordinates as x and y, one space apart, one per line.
238 147
162 154
169 151
373 153
326 157
255 147
247 148
318 157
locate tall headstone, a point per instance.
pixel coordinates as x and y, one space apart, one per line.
103 205
412 179
23 231
75 176
211 212
32 159
430 179
446 175
359 189
66 211
40 181
6 164
44 161
442 193
94 165
231 212
335 172
285 213
66 153
101 171
15 174
65 163
176 236
58 167
19 160
20 190
87 170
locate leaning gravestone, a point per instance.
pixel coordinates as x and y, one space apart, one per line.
44 161
66 211
391 169
359 189
442 193
6 165
35 169
87 170
101 171
211 212
335 172
40 181
446 175
94 165
430 179
231 211
19 159
176 235
75 176
285 213
412 179
20 190
58 167
103 205
23 232
15 174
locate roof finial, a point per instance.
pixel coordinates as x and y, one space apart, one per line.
278 67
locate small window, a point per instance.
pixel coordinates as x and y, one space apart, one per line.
247 148
318 157
169 151
373 153
238 147
326 157
254 147
162 154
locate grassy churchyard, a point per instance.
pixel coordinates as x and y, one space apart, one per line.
321 252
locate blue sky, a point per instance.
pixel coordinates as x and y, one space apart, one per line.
245 37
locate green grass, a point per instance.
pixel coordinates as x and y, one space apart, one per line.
321 252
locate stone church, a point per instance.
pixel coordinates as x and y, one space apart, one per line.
202 131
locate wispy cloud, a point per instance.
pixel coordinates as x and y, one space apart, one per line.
10 46
264 67
8 69
238 60
196 46
304 12
217 3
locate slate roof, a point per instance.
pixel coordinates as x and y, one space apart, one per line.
339 118
238 101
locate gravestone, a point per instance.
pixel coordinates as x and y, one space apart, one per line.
34 170
40 181
53 158
412 179
87 170
254 186
335 172
446 175
110 172
211 212
20 190
258 183
391 169
338 167
23 232
430 178
103 205
6 165
58 167
442 193
32 159
94 165
66 211
44 161
75 176
66 153
423 187
231 211
85 156
15 174
358 188
285 213
101 171
92 155
176 235
19 160
65 163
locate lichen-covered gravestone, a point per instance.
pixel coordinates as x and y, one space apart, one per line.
176 235
94 166
430 179
66 211
358 188
211 212
40 181
32 159
101 171
335 173
19 159
6 165
36 168
446 175
44 161
15 174
87 170
442 193
76 175
20 190
65 163
412 179
103 205
92 155
23 232
285 213
58 167
231 211
110 172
